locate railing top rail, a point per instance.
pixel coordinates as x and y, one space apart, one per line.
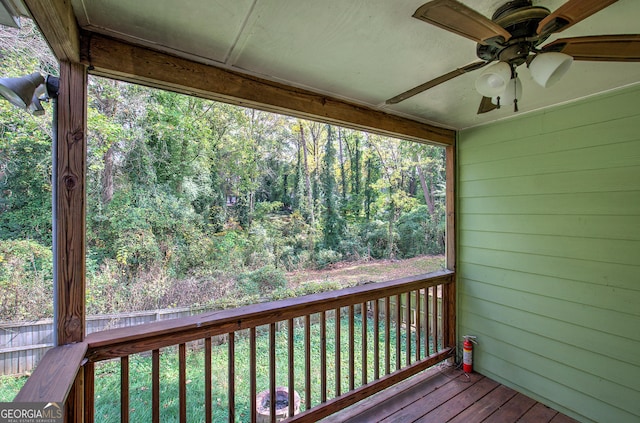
53 378
130 340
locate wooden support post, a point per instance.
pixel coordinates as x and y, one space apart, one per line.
70 206
449 290
70 147
450 170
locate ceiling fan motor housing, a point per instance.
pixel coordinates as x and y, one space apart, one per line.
520 18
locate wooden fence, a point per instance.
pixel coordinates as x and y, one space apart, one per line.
23 344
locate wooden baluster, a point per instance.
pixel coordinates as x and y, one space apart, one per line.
435 319
427 326
323 357
182 381
155 386
291 382
449 315
351 349
407 326
252 374
387 335
363 313
338 362
307 361
398 331
376 338
124 389
418 331
232 376
89 392
272 372
207 380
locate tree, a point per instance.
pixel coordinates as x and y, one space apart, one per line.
307 179
355 198
332 222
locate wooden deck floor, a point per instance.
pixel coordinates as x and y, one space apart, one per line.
449 395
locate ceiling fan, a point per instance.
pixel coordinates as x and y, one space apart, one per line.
514 36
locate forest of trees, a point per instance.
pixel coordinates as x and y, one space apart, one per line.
190 200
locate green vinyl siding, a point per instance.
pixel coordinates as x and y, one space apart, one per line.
549 254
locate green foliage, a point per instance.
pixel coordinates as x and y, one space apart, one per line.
326 257
333 226
351 245
375 235
26 280
25 177
10 386
262 280
265 208
418 234
305 289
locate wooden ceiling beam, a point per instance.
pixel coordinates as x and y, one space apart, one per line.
117 59
57 22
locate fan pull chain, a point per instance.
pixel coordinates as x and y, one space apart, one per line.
515 91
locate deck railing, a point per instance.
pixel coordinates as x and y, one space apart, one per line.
376 334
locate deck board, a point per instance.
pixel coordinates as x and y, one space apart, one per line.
538 413
512 410
429 402
463 400
448 395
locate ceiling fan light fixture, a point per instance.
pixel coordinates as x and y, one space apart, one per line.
512 93
494 79
548 68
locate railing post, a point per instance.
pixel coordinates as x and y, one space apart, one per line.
449 314
89 392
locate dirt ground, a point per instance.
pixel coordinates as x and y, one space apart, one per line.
352 273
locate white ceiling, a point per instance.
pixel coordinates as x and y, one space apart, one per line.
365 51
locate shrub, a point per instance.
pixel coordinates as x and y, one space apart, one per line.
326 257
419 233
262 280
375 235
305 289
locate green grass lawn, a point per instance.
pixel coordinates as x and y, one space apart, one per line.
9 387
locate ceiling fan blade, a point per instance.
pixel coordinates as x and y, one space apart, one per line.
436 81
462 20
570 13
486 105
606 48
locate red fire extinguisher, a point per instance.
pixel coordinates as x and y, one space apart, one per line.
467 353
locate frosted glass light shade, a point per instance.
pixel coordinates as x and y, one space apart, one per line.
512 92
494 79
547 68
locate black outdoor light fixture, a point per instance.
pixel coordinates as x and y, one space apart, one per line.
26 92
